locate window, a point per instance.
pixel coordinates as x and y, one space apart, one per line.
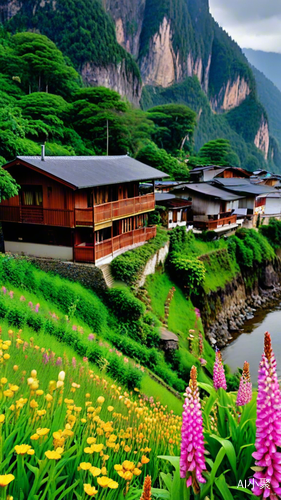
90 200
175 216
32 195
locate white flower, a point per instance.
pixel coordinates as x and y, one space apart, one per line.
61 376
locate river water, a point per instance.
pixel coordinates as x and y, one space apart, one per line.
247 345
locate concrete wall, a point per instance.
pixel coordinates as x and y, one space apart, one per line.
157 259
38 250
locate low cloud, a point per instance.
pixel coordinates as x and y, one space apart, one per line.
252 23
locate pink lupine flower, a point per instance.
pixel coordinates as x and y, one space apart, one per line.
37 308
203 362
197 313
74 362
192 460
30 304
59 361
91 336
244 394
45 358
4 290
22 299
268 434
126 360
11 293
74 328
219 375
85 359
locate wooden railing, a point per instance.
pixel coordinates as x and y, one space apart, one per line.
210 225
84 217
84 253
121 208
37 215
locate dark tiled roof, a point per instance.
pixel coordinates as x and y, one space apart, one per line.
91 171
209 190
243 186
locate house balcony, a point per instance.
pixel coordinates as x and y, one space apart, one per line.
96 215
113 247
123 208
213 224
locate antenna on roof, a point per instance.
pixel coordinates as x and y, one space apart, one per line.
42 152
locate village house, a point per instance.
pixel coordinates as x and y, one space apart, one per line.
86 209
174 211
254 197
212 208
209 172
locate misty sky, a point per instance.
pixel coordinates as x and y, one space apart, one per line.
253 24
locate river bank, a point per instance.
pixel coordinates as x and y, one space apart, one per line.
225 310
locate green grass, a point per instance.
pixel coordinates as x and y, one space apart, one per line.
152 389
220 269
181 316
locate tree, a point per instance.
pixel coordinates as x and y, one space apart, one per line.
8 185
175 124
159 158
216 152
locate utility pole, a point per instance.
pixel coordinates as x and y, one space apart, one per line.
107 138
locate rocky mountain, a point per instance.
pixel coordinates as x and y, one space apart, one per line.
269 63
147 49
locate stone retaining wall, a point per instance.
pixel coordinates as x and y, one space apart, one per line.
158 259
88 275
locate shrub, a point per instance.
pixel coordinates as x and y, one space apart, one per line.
34 321
178 238
189 273
124 304
16 316
129 266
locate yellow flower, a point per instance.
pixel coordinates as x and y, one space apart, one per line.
2 419
52 455
118 467
91 440
144 460
15 368
113 485
4 380
90 490
104 481
85 466
100 400
97 447
127 449
6 479
83 420
39 392
128 465
95 471
34 374
42 432
8 393
41 413
6 356
103 471
34 437
88 395
48 397
127 475
110 408
33 404
22 449
14 388
136 472
88 450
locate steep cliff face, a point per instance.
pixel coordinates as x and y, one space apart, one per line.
115 77
262 138
231 95
88 39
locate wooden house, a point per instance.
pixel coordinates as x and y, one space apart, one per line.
174 211
206 173
86 209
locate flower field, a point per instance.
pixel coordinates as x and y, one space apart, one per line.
68 433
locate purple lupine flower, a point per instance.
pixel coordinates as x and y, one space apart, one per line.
4 290
244 394
197 313
91 336
37 308
192 459
268 434
45 358
59 361
219 375
11 293
74 362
